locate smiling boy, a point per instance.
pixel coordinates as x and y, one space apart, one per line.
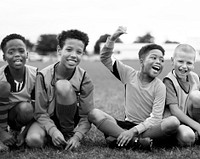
64 96
17 90
183 96
144 96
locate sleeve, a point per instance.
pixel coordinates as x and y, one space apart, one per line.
41 106
106 53
157 109
33 90
171 96
120 70
86 105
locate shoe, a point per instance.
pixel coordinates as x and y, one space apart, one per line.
197 138
136 143
14 133
145 143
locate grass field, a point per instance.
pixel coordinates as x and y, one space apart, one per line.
109 98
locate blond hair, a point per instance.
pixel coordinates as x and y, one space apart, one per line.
184 48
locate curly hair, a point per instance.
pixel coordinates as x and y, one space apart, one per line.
11 37
72 34
145 50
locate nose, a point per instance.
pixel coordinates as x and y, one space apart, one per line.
184 65
17 53
158 60
73 53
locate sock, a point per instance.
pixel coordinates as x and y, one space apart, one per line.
4 106
66 115
196 114
109 128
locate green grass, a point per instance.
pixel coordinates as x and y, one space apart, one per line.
109 98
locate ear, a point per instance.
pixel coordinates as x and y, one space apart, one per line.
172 60
27 55
4 57
141 61
58 50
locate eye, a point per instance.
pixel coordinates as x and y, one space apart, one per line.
21 50
180 61
10 52
79 52
162 60
153 57
189 63
68 49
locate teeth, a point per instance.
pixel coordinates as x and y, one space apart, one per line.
157 68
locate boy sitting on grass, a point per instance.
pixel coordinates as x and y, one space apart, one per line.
144 98
183 96
64 96
17 90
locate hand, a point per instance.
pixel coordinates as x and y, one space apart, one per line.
73 143
8 139
58 139
121 30
125 137
20 140
3 148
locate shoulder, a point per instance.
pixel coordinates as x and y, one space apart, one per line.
31 69
48 69
159 83
195 76
83 73
2 68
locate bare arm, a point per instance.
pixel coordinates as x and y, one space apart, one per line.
175 110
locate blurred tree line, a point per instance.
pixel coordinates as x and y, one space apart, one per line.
47 43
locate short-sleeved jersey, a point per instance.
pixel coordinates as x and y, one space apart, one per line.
24 93
19 93
178 91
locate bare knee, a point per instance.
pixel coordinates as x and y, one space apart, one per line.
65 92
95 116
35 140
170 124
4 89
185 136
195 98
25 107
63 87
25 112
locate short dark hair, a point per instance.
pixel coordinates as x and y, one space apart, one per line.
11 37
145 50
72 34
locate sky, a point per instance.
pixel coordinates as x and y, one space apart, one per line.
175 20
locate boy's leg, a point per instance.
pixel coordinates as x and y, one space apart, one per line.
112 129
66 107
105 123
194 105
185 136
36 136
5 138
20 115
4 103
166 128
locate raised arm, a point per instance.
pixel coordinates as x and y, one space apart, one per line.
107 50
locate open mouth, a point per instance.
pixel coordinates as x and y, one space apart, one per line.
70 61
156 68
183 71
18 61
